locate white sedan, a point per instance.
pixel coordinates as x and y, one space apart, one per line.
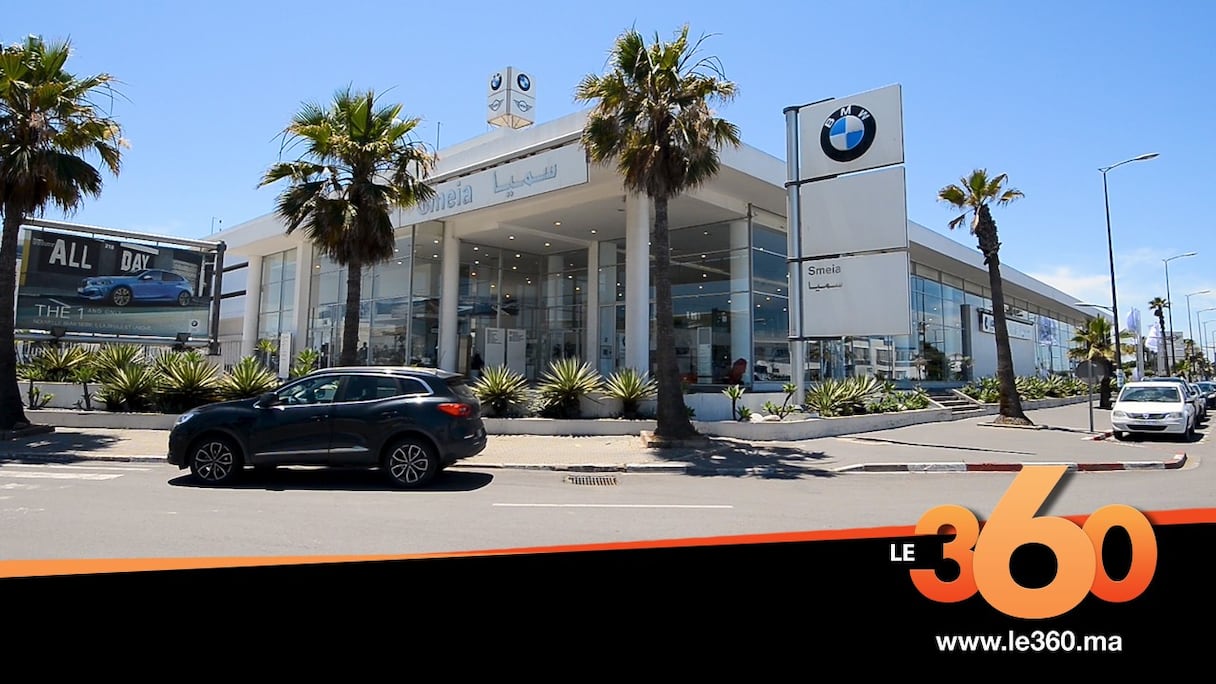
1152 408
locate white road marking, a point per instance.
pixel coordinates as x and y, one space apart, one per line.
575 505
18 485
58 302
35 475
95 467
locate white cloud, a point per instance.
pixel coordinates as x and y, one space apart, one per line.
1094 289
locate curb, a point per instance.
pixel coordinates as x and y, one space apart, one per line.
69 458
958 467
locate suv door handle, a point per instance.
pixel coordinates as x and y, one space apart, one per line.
319 419
389 414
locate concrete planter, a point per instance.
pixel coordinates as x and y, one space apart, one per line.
811 428
1030 404
103 419
574 427
65 395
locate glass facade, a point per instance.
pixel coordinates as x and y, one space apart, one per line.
399 312
276 302
730 291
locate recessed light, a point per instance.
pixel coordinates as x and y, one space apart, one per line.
510 237
434 256
707 232
514 268
476 248
478 263
704 275
593 231
473 274
517 256
557 223
546 244
436 242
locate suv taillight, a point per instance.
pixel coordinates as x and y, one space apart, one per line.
457 410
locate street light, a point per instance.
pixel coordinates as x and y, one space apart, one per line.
1190 329
1110 249
1203 330
1169 366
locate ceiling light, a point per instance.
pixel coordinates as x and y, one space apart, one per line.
593 231
436 242
476 248
516 256
557 223
546 244
510 237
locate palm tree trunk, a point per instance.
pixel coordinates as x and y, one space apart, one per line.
672 416
12 411
1010 403
349 355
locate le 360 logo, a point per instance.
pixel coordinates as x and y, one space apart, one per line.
984 556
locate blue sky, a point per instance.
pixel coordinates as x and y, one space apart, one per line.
1044 91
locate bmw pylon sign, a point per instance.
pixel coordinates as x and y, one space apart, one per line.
850 134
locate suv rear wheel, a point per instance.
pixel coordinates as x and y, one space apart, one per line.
411 462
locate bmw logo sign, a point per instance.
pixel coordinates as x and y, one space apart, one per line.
525 83
496 82
847 133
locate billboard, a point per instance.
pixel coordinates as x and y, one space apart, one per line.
84 283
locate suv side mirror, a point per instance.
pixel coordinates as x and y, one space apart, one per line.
267 400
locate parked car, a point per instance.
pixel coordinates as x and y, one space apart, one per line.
1189 391
410 422
1153 407
152 285
1209 390
1202 397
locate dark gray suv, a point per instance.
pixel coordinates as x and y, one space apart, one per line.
411 422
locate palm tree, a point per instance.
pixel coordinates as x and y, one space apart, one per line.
1159 305
1093 343
360 162
49 122
653 117
973 194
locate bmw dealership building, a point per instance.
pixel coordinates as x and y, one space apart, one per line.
528 253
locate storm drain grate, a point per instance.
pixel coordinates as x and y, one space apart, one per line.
600 480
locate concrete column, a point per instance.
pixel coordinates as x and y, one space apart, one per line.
253 302
637 282
591 308
449 299
742 308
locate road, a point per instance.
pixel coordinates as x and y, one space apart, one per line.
152 510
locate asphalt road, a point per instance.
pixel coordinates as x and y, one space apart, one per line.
149 510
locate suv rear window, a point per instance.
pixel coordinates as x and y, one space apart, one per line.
462 390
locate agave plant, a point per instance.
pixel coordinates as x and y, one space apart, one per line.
501 390
735 393
59 363
130 388
247 379
305 362
632 388
826 397
564 384
110 358
188 380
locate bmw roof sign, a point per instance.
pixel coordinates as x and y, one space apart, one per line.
850 134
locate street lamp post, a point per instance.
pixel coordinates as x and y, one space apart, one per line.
1203 330
1110 249
1190 329
1168 365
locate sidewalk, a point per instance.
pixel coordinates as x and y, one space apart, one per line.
1061 435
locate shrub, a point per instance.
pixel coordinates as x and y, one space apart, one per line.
247 379
501 390
632 388
735 393
188 380
564 384
305 362
130 388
